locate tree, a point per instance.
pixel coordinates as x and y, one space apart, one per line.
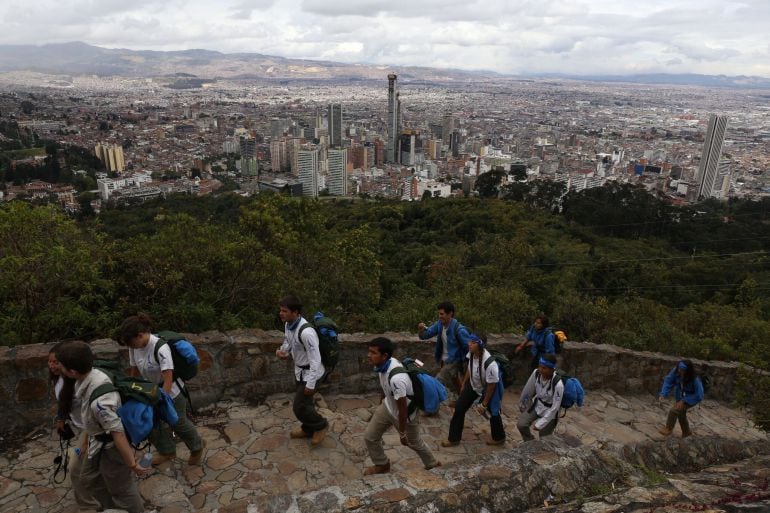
488 184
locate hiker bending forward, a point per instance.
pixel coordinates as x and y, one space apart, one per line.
135 332
688 392
109 460
482 385
540 400
394 410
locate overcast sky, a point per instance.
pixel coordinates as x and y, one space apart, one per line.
509 36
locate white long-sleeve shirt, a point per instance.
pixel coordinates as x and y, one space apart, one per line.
305 352
546 395
101 416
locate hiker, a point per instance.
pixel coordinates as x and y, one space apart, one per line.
136 334
393 411
540 339
308 370
540 400
451 345
108 460
688 389
482 384
69 426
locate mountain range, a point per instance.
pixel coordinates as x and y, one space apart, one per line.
78 58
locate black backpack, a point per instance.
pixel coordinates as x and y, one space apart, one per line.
328 339
183 354
503 363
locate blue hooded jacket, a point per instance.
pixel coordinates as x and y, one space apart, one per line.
457 338
691 393
542 341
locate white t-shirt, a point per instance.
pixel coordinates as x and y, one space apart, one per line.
151 370
396 388
480 378
444 348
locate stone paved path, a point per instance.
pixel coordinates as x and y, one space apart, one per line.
251 457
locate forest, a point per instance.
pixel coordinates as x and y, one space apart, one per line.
609 265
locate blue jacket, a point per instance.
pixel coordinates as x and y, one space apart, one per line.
542 341
457 338
690 393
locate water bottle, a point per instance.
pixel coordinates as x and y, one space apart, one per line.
77 452
146 461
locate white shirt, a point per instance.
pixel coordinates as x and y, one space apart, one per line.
144 359
101 416
541 391
76 416
305 353
395 388
480 378
444 348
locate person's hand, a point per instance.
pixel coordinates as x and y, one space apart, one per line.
309 391
519 348
535 427
522 407
481 409
403 438
679 405
141 471
281 354
661 398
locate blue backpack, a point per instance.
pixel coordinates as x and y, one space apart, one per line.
429 392
573 390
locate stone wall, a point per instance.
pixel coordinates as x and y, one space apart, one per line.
242 364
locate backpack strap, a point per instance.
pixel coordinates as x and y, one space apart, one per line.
103 389
160 343
412 406
299 333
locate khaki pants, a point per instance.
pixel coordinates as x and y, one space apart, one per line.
161 436
110 481
380 422
83 496
681 415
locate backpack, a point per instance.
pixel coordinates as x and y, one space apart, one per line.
559 337
573 390
429 392
705 380
144 404
328 339
503 363
183 354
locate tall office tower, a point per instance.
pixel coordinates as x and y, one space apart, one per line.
307 162
248 148
379 152
338 172
292 149
709 184
447 127
279 157
394 128
410 145
454 143
335 125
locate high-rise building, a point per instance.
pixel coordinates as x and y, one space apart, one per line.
394 115
447 127
708 178
335 125
338 171
112 156
308 162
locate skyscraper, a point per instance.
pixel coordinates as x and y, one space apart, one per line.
447 127
708 179
338 172
308 162
335 125
394 130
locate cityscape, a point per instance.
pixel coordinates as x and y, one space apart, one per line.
388 137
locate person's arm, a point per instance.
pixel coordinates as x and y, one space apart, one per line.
528 392
133 371
550 343
168 380
166 364
487 397
464 336
284 351
527 342
429 332
123 447
316 371
403 417
668 383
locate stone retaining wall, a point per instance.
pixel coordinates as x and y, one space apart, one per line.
242 364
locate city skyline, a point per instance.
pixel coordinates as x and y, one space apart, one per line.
583 38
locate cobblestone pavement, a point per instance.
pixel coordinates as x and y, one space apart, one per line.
251 457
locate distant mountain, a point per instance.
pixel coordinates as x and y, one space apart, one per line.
82 59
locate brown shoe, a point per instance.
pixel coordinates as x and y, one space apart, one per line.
318 436
437 464
449 443
685 435
492 441
299 433
664 431
197 456
160 459
377 469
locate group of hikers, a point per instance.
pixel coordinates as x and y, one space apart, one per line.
90 410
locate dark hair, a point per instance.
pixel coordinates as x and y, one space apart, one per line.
689 372
383 345
543 319
76 356
292 303
133 326
64 399
53 378
446 306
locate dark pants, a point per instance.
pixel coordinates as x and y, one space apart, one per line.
111 482
467 397
681 415
304 410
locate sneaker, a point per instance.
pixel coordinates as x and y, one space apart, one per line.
377 469
449 443
299 433
160 459
197 456
318 436
492 441
664 431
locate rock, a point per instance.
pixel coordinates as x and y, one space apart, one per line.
161 490
8 486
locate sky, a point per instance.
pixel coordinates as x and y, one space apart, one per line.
575 37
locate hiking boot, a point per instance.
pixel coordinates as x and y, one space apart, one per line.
377 469
492 441
665 431
437 464
299 433
449 443
318 436
197 456
160 459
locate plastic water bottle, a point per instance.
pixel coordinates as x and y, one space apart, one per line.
77 452
146 461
